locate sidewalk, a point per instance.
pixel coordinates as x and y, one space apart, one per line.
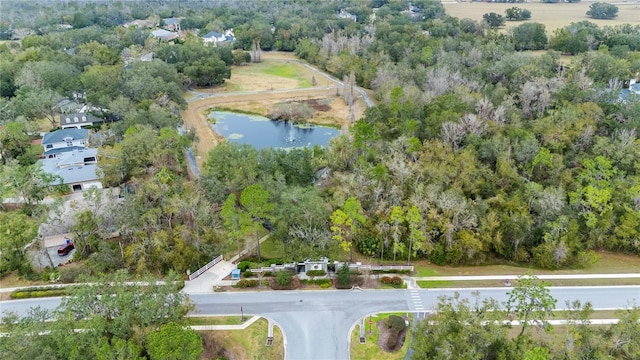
205 283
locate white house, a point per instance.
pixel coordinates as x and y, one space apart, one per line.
344 14
78 120
215 38
65 140
78 168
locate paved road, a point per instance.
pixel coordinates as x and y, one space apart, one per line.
317 324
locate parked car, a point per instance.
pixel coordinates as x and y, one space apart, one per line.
66 249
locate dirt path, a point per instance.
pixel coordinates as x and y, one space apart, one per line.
261 102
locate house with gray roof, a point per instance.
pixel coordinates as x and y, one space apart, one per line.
67 106
171 24
78 120
65 140
215 38
78 168
164 35
634 89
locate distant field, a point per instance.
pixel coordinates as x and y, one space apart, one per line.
553 16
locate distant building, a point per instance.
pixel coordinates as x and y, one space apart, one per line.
344 14
215 38
634 89
142 24
171 24
164 35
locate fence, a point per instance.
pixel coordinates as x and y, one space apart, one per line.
381 267
205 268
358 267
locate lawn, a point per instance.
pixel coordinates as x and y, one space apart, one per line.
370 349
609 263
553 16
243 344
430 284
271 74
215 320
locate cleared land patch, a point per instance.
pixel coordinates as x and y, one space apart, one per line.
258 88
553 16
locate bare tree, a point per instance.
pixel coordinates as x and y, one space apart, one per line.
452 133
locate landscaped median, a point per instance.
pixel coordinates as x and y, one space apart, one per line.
228 337
377 332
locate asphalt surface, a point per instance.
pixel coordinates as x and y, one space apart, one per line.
317 324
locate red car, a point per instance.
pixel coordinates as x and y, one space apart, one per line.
65 249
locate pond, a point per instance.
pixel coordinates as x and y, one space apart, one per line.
261 132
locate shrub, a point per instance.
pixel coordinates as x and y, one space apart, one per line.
395 323
37 293
245 283
248 274
319 282
394 271
325 286
283 278
344 277
316 273
391 280
244 265
392 340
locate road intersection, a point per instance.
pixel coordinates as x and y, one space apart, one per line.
317 324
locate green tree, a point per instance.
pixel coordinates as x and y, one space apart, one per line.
517 14
207 72
601 10
235 222
531 302
15 143
174 342
115 308
345 222
493 19
255 201
28 183
529 36
17 230
463 329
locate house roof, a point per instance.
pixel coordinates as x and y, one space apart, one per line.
213 34
78 119
62 150
171 21
164 34
60 135
71 168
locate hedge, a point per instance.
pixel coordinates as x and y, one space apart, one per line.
245 283
316 273
37 293
391 280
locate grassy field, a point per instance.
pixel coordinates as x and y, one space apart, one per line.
553 16
243 344
370 349
608 263
271 74
427 284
